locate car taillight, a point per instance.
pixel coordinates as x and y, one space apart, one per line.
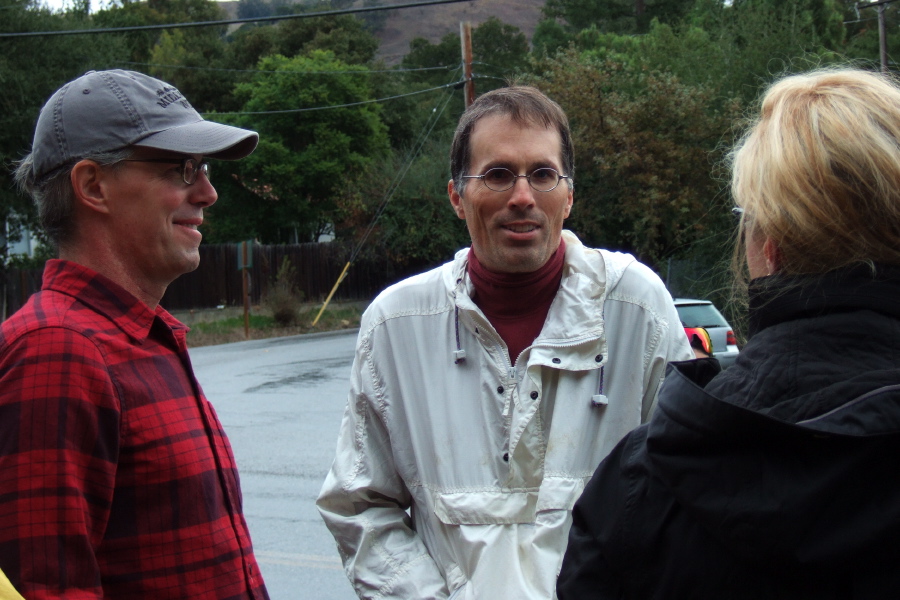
730 339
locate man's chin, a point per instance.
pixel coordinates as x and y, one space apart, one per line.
190 261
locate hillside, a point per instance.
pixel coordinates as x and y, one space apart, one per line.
434 22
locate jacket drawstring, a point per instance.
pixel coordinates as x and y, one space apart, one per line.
599 399
459 355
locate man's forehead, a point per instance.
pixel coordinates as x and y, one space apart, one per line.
494 133
508 121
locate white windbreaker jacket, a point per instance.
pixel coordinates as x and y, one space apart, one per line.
456 472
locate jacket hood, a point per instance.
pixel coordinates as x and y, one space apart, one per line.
817 492
790 454
585 285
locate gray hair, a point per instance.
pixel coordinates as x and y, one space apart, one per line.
53 193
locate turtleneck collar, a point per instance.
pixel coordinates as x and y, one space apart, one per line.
516 304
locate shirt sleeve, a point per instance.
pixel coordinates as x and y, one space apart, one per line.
364 503
59 443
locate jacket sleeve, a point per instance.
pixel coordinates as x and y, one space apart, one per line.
673 346
364 502
59 440
599 517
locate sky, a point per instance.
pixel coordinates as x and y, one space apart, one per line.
56 5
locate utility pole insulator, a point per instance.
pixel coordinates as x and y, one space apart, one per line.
465 38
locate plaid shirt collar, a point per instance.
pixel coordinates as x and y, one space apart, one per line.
108 298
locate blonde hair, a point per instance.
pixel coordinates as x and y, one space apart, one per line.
818 171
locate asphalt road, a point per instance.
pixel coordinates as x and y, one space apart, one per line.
281 401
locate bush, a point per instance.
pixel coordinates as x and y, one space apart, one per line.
284 298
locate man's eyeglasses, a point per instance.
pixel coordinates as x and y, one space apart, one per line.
500 179
190 167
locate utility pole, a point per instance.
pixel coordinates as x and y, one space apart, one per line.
245 261
882 38
882 30
465 38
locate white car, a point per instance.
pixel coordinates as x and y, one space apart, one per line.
702 313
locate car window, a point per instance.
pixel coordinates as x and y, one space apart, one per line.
700 315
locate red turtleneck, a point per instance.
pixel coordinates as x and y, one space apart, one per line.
517 304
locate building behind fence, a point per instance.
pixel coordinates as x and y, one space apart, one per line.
218 281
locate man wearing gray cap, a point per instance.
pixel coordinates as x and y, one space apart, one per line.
116 478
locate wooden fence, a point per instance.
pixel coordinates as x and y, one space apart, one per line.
218 281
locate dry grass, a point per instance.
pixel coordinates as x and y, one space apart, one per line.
223 326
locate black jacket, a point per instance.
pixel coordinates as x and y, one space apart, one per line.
779 478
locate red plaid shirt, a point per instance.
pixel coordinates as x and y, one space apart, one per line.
116 478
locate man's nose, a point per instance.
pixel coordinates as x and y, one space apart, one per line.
202 191
522 195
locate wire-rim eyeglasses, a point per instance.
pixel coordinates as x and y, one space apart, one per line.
190 167
500 179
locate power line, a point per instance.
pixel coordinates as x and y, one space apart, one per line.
284 72
322 13
395 184
299 110
414 153
343 72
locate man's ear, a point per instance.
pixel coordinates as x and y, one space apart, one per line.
456 200
89 181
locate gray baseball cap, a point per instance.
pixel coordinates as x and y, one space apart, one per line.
102 111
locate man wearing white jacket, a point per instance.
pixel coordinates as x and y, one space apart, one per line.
485 392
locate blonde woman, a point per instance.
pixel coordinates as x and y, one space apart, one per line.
778 477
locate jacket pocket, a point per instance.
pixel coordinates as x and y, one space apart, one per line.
486 507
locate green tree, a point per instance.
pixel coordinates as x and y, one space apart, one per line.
192 56
157 12
862 35
549 37
374 20
734 49
251 9
31 69
616 16
182 57
645 144
417 227
499 54
343 35
286 190
757 40
240 53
